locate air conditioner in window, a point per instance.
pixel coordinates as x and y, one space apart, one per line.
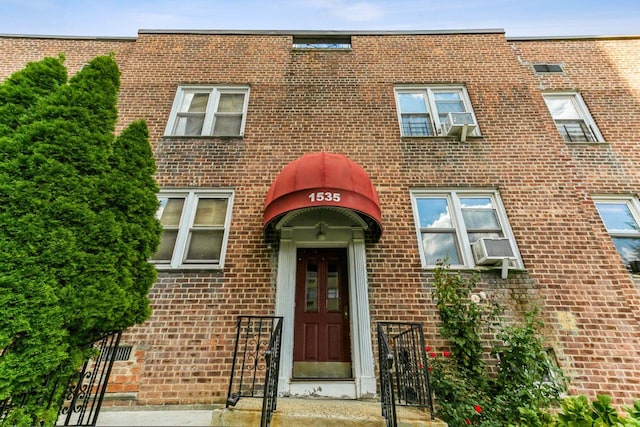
488 251
458 124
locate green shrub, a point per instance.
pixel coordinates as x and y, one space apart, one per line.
467 391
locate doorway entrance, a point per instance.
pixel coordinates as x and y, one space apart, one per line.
322 347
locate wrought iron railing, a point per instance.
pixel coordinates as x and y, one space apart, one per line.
256 361
404 373
385 358
83 392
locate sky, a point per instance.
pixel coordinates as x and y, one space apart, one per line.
123 18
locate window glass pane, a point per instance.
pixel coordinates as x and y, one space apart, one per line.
617 217
412 103
194 102
210 212
440 246
434 213
480 219
165 248
311 286
231 103
189 125
628 248
416 125
333 292
447 96
170 211
476 202
205 245
227 125
562 108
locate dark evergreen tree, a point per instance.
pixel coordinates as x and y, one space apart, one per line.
77 225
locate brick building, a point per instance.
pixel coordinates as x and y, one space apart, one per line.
332 170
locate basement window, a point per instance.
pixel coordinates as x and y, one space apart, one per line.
321 42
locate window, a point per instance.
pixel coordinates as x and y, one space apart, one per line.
322 42
423 111
572 117
449 222
196 228
547 68
208 111
621 217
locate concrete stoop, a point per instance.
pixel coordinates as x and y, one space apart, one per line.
320 413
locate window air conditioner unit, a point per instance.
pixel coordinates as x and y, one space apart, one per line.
487 251
460 124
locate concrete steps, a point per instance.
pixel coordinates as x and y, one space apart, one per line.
319 413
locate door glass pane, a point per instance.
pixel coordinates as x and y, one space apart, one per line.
333 286
211 212
311 286
434 213
231 103
170 211
205 245
227 125
440 246
617 217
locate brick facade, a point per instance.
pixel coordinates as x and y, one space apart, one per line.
342 101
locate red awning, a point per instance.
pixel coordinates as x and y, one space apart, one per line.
323 179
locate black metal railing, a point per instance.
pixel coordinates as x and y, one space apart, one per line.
575 131
83 392
86 389
404 372
272 356
385 359
256 361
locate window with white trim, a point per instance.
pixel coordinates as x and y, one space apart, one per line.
621 217
196 228
572 117
208 111
425 110
448 222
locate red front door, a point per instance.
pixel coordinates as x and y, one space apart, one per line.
321 333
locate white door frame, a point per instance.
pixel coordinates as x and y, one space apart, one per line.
351 236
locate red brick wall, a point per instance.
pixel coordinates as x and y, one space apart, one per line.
342 101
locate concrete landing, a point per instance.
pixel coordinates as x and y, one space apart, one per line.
319 413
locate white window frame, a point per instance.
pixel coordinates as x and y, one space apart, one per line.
431 106
191 198
634 208
462 239
583 113
211 109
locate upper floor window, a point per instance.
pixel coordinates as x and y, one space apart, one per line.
621 217
465 227
322 41
196 228
208 111
572 117
434 110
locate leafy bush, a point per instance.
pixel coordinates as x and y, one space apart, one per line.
467 391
